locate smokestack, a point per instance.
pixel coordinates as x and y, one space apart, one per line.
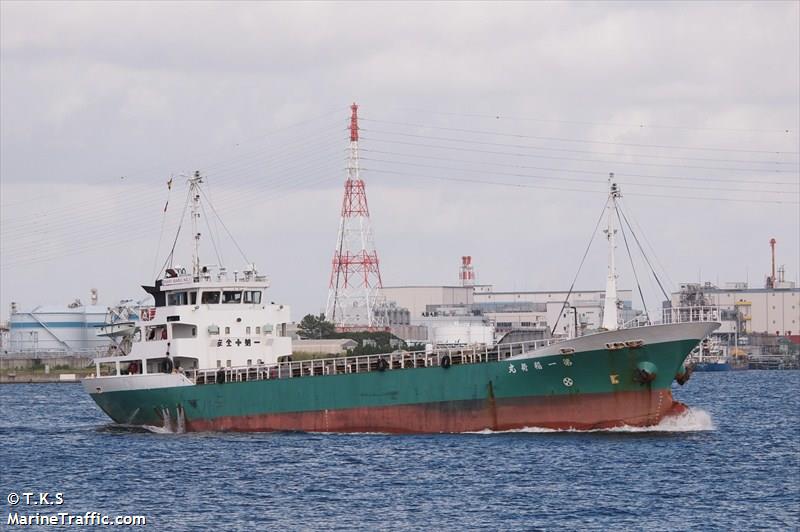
466 275
771 281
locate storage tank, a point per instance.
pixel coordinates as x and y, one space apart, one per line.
57 329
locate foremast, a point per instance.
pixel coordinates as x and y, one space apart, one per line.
611 303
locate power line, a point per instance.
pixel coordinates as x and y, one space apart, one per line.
574 179
115 241
565 189
584 141
540 148
138 201
150 171
640 125
98 235
665 165
74 213
581 172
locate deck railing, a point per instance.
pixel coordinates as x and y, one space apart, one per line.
677 315
437 356
689 314
368 363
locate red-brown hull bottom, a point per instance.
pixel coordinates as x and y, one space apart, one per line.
580 412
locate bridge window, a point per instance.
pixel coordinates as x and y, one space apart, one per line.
230 296
177 298
252 296
210 298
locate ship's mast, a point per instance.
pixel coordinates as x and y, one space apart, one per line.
610 306
194 191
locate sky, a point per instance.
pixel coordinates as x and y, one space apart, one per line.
487 129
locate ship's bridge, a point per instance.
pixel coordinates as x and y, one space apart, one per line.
213 293
179 288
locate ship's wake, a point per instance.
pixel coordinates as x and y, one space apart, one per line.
692 420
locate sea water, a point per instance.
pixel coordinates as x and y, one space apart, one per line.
731 463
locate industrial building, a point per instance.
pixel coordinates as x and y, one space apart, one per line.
418 298
771 310
438 306
747 310
468 310
550 309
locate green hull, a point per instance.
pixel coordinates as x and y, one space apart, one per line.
590 389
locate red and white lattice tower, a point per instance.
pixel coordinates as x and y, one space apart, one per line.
354 292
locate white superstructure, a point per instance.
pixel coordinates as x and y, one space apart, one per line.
204 318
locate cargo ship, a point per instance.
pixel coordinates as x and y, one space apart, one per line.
212 355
